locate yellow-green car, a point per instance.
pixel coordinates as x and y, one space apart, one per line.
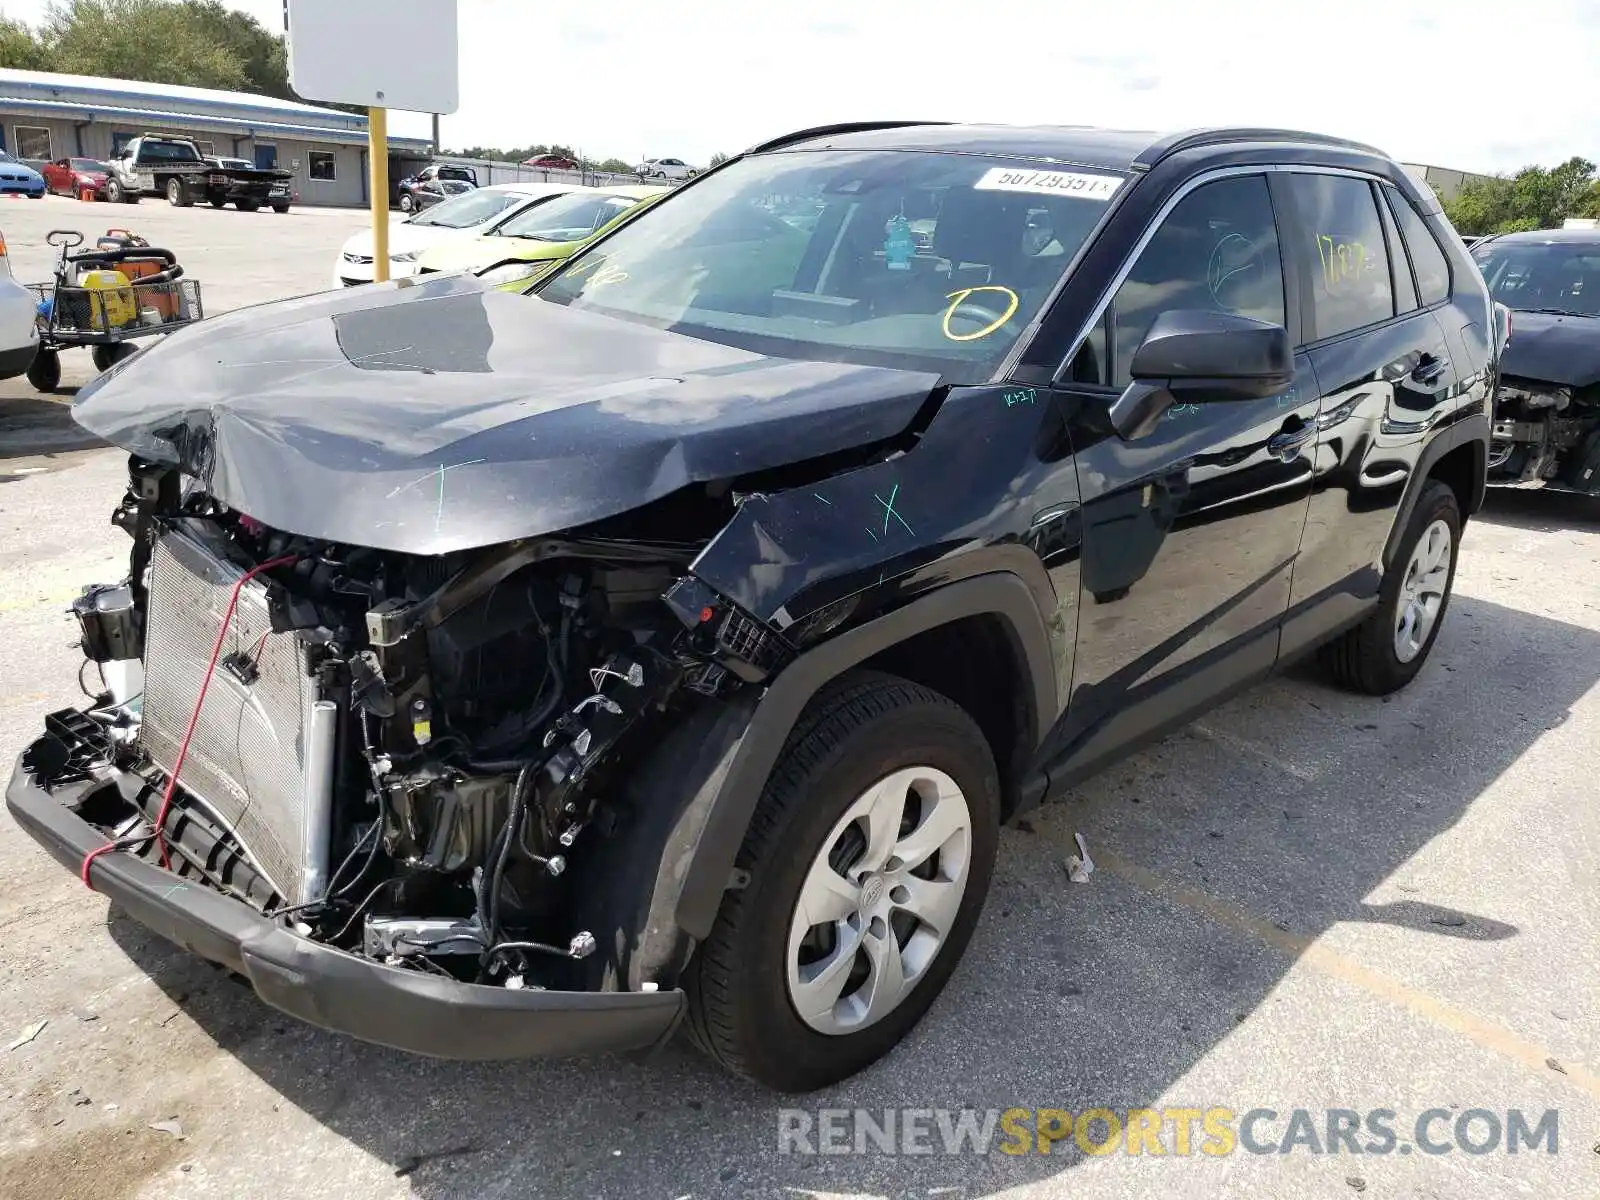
513 254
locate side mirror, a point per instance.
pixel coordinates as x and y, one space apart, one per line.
1201 357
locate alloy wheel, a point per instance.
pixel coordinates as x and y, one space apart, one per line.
1422 591
879 900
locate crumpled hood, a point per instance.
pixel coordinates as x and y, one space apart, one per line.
1553 349
429 414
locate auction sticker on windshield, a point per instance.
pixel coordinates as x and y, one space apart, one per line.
1050 183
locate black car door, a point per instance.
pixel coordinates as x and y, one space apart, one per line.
1189 534
1386 372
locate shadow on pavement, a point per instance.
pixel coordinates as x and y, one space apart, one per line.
1069 996
36 424
1539 510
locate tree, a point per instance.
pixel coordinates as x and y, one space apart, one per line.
1534 198
20 49
717 159
1547 197
614 166
1588 204
1480 206
152 40
263 56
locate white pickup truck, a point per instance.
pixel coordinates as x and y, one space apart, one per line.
175 168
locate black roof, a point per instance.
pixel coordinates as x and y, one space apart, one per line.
1082 145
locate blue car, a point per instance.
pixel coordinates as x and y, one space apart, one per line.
19 177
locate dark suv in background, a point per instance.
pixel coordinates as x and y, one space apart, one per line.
1547 407
502 675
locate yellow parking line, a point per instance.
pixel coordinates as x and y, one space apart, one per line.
1346 969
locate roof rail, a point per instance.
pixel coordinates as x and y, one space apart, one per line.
802 135
1190 138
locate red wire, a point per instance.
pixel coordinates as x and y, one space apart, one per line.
194 719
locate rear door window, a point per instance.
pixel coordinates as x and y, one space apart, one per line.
1341 252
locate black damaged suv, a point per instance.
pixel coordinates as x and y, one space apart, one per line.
502 675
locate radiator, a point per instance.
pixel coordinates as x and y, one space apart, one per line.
248 761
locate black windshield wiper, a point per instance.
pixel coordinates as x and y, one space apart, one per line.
1559 312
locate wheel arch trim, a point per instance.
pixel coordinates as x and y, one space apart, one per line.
710 859
1474 427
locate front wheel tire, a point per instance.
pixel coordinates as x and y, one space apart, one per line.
1385 652
869 856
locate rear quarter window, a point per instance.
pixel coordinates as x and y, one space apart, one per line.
1427 258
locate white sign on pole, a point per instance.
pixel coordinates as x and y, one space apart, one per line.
376 53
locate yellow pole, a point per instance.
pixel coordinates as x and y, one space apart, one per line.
378 170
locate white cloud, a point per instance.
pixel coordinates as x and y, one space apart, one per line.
1466 86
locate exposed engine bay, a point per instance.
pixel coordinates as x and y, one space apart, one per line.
399 755
1546 435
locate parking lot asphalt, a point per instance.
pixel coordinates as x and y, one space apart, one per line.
1305 900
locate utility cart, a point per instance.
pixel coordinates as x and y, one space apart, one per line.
107 297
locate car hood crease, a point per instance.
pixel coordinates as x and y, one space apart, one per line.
430 414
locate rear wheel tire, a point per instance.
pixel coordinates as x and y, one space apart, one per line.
247 205
177 194
869 856
217 201
280 208
1385 652
44 372
113 192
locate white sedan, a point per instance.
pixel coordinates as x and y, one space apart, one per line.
468 215
19 337
664 168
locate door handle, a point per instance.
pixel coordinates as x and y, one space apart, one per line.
1428 369
1287 441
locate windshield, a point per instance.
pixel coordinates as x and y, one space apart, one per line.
1562 277
568 218
88 164
918 260
4 157
474 208
455 173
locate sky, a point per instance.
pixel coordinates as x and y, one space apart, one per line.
1462 85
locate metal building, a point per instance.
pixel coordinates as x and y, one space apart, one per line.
1445 181
45 116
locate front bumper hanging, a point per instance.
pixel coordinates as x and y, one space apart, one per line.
327 987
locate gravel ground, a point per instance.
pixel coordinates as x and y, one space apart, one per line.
1305 900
